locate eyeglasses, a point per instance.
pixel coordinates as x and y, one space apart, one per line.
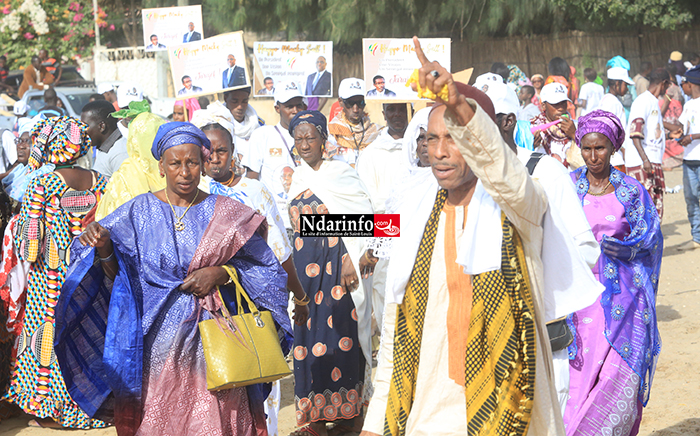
349 104
19 141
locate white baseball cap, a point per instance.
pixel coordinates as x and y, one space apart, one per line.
351 87
128 92
504 99
287 91
20 108
104 87
619 73
554 93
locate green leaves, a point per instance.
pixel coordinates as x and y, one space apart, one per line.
345 22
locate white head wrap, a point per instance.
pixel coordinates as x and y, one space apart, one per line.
410 143
215 113
25 125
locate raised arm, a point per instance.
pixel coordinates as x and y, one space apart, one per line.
504 177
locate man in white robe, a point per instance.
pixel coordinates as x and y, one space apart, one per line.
472 163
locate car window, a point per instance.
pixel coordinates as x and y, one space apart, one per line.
35 103
68 76
78 101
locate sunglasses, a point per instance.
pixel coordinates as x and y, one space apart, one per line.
349 104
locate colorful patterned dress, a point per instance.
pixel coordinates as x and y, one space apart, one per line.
329 365
51 216
613 357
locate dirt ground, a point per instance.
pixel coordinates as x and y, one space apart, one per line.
674 407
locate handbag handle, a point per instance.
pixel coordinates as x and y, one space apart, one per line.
240 295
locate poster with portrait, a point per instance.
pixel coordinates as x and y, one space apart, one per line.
167 27
209 66
309 64
389 63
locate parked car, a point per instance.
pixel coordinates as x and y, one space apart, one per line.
69 78
74 99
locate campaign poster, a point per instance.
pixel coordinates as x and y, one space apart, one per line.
389 63
209 66
309 64
167 27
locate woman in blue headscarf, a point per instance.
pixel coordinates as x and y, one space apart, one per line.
129 349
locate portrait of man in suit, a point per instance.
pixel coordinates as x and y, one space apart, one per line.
380 88
269 88
191 35
319 83
233 75
188 87
154 45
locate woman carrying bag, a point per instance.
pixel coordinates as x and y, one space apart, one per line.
141 282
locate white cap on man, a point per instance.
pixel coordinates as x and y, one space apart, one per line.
554 93
504 99
104 87
20 108
287 91
128 92
351 87
619 73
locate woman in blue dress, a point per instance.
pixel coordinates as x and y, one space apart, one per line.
140 281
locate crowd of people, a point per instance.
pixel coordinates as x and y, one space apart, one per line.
519 299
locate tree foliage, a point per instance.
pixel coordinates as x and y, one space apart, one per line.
346 22
70 26
65 29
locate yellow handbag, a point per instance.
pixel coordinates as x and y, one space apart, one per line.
244 349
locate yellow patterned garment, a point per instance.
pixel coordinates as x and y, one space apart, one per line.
139 173
500 353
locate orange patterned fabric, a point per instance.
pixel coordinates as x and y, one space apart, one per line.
459 286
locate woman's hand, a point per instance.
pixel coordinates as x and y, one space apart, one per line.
301 314
204 280
367 264
348 276
95 236
617 251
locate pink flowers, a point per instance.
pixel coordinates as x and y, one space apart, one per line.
28 36
78 17
6 10
111 27
67 37
75 6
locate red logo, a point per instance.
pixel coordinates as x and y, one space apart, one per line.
387 225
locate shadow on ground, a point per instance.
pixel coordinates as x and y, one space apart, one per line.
667 313
689 427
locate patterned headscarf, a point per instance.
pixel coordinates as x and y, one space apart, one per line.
315 118
177 133
605 123
58 140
